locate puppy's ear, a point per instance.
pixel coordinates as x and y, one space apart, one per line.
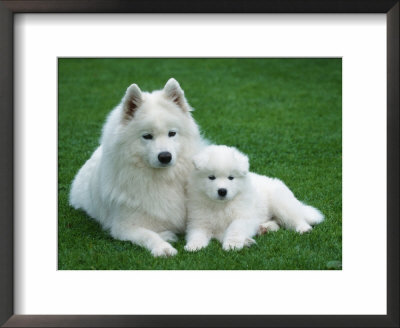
200 160
132 100
243 162
174 92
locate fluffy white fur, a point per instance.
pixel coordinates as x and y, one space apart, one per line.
252 204
124 185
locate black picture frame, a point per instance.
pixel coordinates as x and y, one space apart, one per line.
7 11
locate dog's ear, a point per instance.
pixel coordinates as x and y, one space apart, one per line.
243 162
200 160
132 100
174 92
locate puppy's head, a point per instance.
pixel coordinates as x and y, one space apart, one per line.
221 172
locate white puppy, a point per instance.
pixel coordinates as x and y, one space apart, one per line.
134 183
230 204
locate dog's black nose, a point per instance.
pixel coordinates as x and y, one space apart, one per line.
165 157
222 192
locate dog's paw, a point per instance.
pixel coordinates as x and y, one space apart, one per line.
249 241
233 244
169 236
163 250
194 246
267 227
303 228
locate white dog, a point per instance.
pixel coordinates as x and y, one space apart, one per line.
134 183
230 204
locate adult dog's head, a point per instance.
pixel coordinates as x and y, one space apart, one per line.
152 129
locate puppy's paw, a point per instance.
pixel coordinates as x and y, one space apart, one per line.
194 246
303 228
249 241
233 244
267 227
169 236
163 250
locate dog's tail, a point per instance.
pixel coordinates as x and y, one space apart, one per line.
80 195
288 210
312 215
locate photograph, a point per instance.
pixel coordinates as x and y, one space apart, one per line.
199 163
206 164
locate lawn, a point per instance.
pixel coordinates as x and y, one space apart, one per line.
285 114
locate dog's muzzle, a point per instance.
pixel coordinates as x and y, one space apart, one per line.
165 157
222 192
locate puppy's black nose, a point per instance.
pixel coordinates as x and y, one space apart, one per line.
222 192
165 157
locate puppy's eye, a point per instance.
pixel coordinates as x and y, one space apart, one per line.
171 133
230 177
147 136
211 177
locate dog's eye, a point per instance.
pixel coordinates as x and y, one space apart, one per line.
230 177
147 136
211 177
171 133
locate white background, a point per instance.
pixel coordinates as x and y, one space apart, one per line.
360 288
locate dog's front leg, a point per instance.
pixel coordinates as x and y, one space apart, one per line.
144 237
239 234
197 239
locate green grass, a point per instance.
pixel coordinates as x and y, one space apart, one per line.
285 114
